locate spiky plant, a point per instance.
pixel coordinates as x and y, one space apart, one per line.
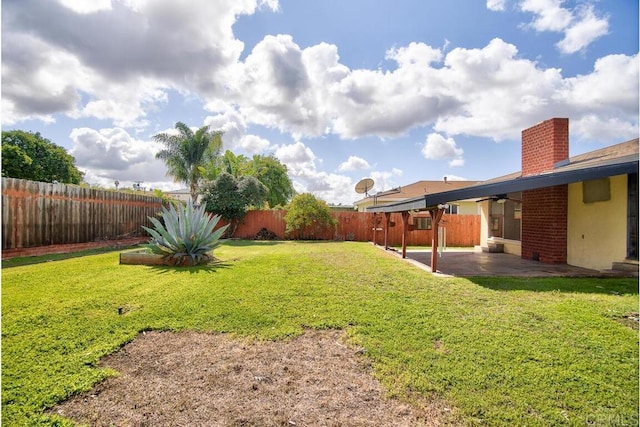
185 236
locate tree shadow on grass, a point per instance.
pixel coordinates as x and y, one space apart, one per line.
30 260
581 285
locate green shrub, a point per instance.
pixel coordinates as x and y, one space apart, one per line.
187 236
308 216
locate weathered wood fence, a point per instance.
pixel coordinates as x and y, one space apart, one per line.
461 230
40 214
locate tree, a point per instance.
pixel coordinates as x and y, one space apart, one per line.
28 155
274 175
186 153
308 216
266 169
231 197
235 165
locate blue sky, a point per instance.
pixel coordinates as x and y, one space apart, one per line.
399 91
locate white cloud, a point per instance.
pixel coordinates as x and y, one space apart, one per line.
601 128
295 154
253 144
301 163
496 5
438 147
118 58
604 102
499 93
611 87
489 92
87 6
121 63
584 31
456 162
36 81
235 137
232 124
112 154
386 180
581 26
549 14
354 163
280 85
414 54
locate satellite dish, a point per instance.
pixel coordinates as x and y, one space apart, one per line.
364 185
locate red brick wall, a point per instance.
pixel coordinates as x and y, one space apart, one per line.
544 211
544 224
544 144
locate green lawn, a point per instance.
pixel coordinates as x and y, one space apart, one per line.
500 351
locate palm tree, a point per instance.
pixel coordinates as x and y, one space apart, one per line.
186 153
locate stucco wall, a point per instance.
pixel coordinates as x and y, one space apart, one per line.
597 232
512 247
467 207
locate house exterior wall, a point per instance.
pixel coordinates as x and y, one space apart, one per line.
597 232
512 247
467 208
180 196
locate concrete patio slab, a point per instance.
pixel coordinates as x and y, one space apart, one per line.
468 263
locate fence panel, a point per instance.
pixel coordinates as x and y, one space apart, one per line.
461 230
41 214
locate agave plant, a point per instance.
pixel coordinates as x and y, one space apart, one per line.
185 236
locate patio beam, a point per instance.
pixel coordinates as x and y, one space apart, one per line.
387 224
436 216
405 230
375 226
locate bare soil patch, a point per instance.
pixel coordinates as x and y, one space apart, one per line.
198 379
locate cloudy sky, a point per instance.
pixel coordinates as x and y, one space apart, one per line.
396 90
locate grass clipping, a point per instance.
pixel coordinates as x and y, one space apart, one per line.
191 378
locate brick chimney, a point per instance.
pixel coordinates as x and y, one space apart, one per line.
544 211
543 145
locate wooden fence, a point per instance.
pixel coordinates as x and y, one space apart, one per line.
461 230
40 214
36 214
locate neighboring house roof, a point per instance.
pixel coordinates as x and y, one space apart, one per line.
610 161
182 191
419 188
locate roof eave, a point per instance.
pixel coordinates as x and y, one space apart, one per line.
551 179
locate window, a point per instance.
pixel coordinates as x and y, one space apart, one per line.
596 190
422 223
517 211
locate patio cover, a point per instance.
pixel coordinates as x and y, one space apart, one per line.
571 171
620 159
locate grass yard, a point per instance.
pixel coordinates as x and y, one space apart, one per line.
500 351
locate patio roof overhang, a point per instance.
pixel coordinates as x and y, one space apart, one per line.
562 174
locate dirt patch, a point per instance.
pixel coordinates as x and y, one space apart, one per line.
196 379
631 320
